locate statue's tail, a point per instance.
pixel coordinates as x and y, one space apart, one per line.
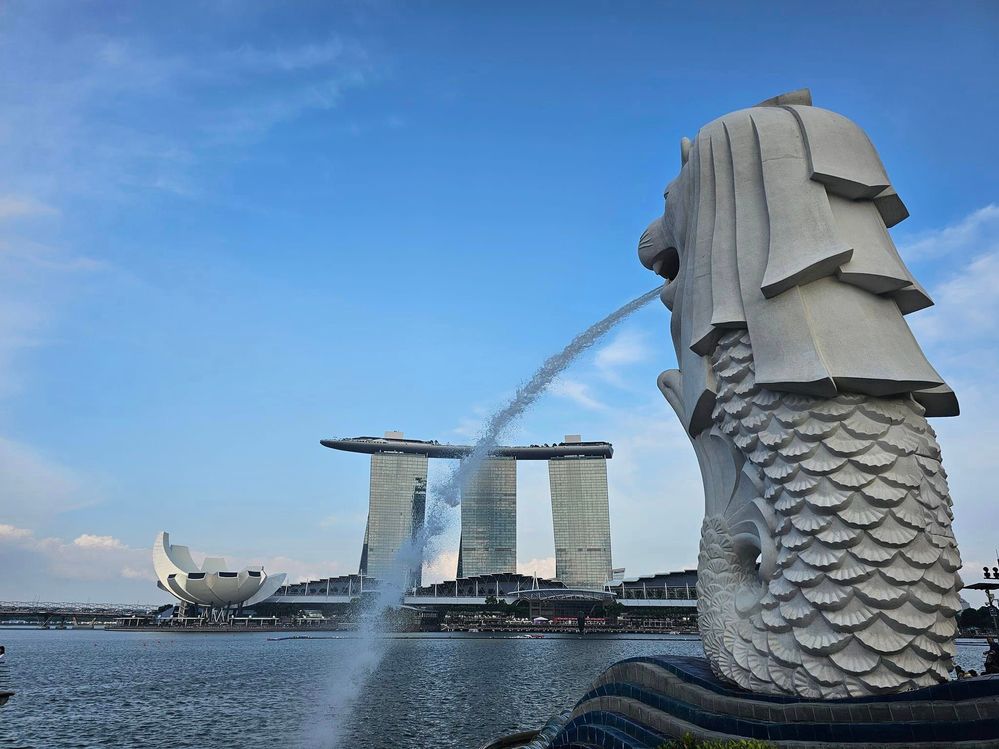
862 591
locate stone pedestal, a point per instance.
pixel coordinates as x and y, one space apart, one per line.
641 703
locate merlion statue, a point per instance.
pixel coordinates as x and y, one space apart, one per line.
828 566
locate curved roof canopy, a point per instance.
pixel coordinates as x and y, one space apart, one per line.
211 584
559 594
438 450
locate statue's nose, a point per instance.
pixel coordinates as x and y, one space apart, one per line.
656 253
652 244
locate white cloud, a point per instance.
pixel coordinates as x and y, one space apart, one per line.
468 428
340 519
975 233
959 333
966 305
542 567
90 541
10 532
35 282
630 346
960 336
13 206
94 562
35 487
107 114
252 119
578 392
442 567
28 559
307 56
296 569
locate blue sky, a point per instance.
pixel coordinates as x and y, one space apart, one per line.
228 230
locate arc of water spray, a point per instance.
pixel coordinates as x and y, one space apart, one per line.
528 392
448 493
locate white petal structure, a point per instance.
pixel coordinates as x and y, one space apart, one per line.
211 584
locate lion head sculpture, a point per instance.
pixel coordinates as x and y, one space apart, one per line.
777 224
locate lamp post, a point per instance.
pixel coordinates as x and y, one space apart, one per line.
990 584
990 597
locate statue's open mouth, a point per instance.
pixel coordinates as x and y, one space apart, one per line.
657 253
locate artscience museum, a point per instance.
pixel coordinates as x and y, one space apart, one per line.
211 585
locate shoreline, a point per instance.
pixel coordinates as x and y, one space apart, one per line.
315 633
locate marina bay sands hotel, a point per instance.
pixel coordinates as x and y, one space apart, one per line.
577 473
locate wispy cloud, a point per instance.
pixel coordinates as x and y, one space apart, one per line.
961 339
578 392
111 112
630 346
20 257
14 206
470 427
35 282
296 569
975 233
966 304
36 487
340 519
111 115
325 53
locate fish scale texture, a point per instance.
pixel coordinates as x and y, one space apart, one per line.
864 593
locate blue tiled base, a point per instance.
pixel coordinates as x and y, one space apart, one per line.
640 703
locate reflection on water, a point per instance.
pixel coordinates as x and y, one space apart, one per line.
115 689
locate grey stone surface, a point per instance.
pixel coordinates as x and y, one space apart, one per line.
805 396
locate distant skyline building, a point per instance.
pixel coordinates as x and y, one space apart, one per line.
488 545
489 519
580 519
397 502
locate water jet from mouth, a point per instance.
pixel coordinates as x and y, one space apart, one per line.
447 495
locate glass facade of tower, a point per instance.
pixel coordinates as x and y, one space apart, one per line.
489 519
581 520
396 510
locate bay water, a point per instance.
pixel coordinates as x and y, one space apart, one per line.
91 688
